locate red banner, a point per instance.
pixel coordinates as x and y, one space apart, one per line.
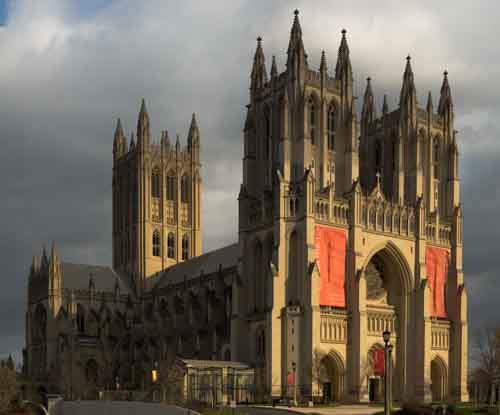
290 379
330 247
378 362
436 261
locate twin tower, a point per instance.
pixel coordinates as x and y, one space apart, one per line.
156 200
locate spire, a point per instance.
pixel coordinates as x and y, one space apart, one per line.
143 132
34 265
429 107
132 141
118 141
343 67
368 112
274 68
177 144
44 263
194 133
54 264
408 88
164 141
259 75
385 106
296 48
323 67
445 101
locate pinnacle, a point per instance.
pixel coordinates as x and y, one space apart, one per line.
429 102
143 107
322 66
385 106
274 68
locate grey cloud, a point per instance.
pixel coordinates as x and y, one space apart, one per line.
65 78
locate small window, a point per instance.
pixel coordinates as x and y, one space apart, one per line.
185 189
312 120
156 243
155 184
171 245
185 247
331 129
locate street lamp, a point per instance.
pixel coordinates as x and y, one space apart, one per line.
386 335
154 372
294 368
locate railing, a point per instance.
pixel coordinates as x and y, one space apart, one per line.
439 233
440 335
379 320
388 218
333 326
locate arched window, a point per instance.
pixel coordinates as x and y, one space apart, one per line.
155 184
156 243
331 128
185 189
435 157
171 245
312 120
171 186
185 247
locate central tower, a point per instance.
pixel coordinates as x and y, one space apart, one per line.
156 200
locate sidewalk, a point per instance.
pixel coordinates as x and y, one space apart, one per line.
354 409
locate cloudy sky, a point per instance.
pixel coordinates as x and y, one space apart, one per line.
68 69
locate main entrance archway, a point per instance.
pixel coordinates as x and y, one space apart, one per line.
333 374
388 284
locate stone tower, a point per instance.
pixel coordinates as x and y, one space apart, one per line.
156 200
346 233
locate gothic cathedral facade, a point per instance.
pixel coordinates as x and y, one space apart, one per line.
346 229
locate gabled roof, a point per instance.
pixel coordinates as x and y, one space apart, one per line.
76 277
209 263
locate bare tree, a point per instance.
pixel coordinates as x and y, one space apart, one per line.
486 355
8 387
318 357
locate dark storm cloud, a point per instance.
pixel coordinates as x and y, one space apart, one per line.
66 74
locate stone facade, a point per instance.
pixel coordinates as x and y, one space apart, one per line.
346 229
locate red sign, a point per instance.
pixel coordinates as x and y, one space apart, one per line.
436 261
330 247
378 362
290 379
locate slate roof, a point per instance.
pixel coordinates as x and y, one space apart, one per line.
76 277
210 262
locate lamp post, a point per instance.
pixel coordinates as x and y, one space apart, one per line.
386 335
294 369
154 377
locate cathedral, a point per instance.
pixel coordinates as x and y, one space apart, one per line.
346 228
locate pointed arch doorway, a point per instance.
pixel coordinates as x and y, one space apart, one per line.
333 375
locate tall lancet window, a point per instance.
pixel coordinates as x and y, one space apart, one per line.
156 243
185 247
312 120
185 189
331 128
155 184
435 158
267 133
171 245
171 186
